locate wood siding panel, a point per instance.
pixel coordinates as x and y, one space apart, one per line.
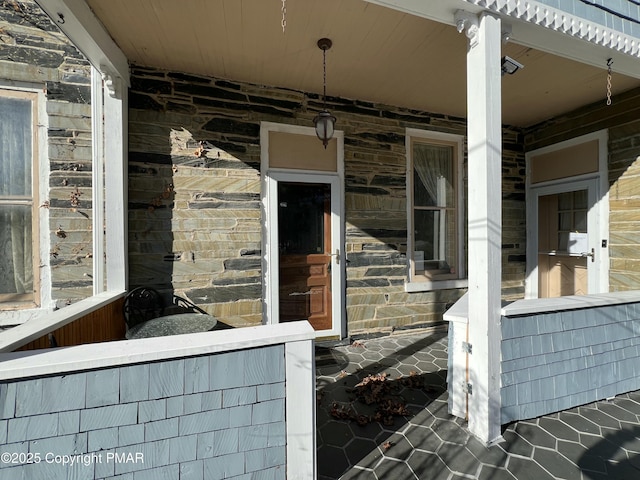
103 325
568 162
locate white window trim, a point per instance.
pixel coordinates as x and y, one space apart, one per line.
418 285
97 180
109 62
33 323
40 267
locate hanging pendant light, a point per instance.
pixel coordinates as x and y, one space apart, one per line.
324 121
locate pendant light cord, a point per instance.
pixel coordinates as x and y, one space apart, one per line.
324 78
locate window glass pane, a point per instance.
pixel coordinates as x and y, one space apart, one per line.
15 147
433 179
16 266
580 200
564 221
435 245
565 201
581 221
301 210
563 241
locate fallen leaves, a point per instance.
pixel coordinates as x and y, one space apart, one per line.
372 388
342 412
380 393
414 380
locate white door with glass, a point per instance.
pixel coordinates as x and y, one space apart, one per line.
303 192
567 218
567 262
305 258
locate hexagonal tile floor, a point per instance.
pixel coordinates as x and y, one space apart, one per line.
382 414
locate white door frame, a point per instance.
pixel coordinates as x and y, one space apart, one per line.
596 185
270 178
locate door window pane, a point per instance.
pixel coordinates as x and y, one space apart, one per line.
565 201
565 221
301 219
580 200
304 233
572 216
581 221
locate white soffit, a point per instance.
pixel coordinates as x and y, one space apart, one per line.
562 33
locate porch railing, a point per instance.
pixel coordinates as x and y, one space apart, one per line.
556 353
211 405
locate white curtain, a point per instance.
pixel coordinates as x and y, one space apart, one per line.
16 269
434 167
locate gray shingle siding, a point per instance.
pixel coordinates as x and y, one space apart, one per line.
149 418
554 361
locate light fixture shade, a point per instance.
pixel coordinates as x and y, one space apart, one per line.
325 123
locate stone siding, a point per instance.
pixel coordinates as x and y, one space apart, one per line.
624 206
204 417
36 54
514 228
194 197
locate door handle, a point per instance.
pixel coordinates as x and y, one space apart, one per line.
591 254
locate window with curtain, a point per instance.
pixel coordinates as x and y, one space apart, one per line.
18 234
434 220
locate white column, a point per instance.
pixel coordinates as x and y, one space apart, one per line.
301 409
484 104
97 170
116 199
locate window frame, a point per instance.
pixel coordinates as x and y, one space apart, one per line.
417 281
34 299
110 105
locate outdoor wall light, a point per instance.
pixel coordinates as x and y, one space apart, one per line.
324 121
510 66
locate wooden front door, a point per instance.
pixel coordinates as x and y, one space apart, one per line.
563 247
304 245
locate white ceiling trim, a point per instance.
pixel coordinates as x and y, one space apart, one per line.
564 22
77 21
541 27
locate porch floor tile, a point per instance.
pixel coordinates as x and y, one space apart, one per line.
382 414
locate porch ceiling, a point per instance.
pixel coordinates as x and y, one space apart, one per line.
379 55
